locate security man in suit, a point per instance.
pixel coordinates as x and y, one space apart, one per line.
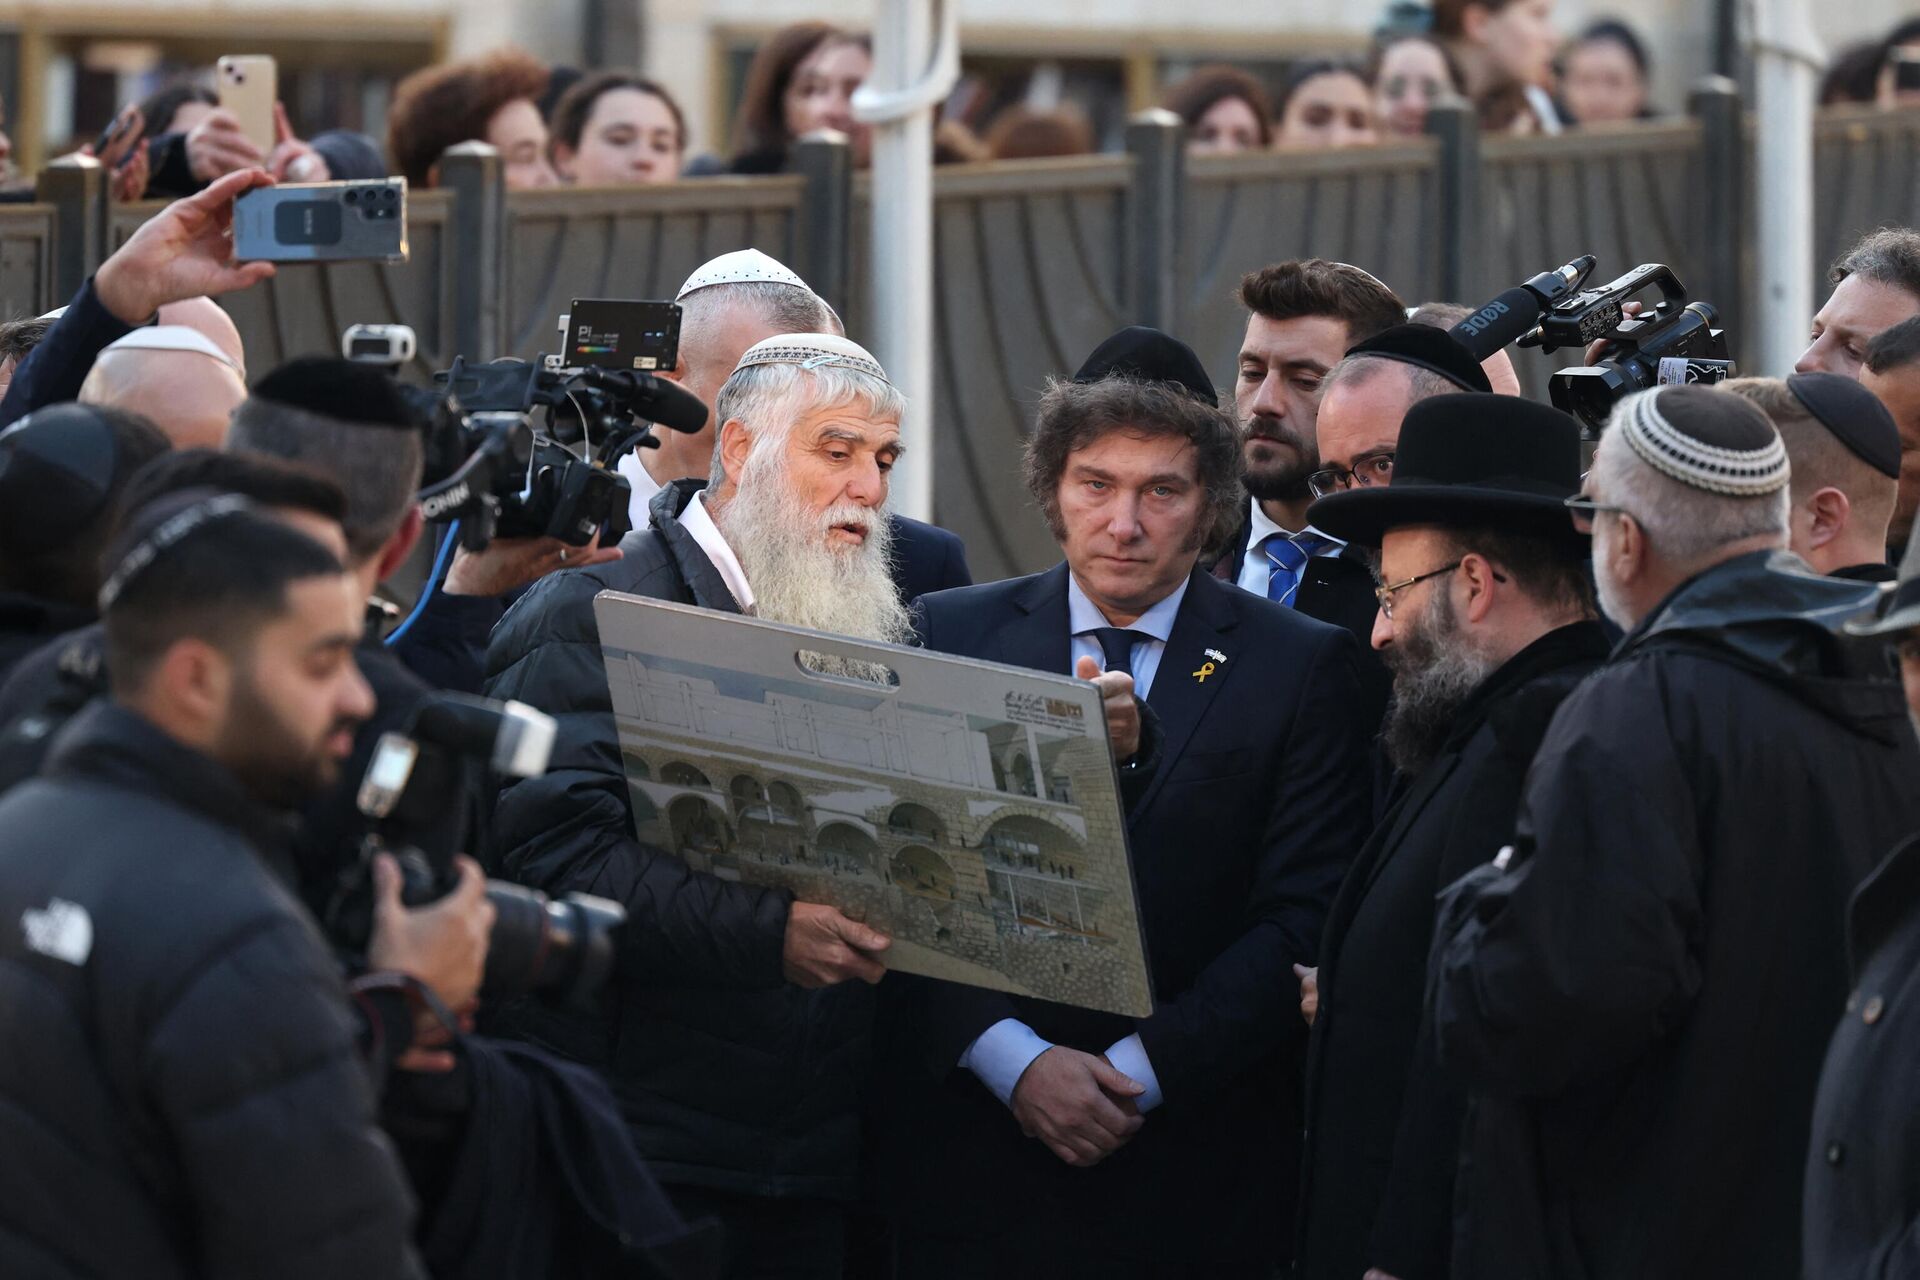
1165 1146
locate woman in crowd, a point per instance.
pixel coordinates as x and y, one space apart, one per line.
1031 133
177 107
801 80
1902 45
1504 50
1410 74
615 129
1225 110
1326 104
1603 76
487 99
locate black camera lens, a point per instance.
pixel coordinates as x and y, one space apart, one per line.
561 950
352 196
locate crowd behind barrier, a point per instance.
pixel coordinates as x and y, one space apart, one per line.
1035 259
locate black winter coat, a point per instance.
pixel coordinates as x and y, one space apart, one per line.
180 1094
730 1077
1863 1167
1639 1003
1383 1122
29 622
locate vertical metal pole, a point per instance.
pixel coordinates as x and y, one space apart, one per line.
902 272
916 61
1715 103
1787 58
76 187
478 259
1156 204
825 160
1457 193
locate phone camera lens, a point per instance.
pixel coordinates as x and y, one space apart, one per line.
352 196
239 77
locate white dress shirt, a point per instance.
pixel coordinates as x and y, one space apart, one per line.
1004 1051
696 520
643 484
1255 568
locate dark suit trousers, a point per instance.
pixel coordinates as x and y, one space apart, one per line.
771 1238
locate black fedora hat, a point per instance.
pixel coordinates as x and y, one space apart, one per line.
1468 460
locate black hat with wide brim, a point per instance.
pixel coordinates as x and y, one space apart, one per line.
1469 461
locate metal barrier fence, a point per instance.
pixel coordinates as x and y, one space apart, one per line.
1036 261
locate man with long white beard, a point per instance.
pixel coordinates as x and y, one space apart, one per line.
733 1047
1486 621
1636 993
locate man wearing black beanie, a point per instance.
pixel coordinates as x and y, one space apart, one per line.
61 473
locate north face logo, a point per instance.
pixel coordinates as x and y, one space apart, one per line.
62 930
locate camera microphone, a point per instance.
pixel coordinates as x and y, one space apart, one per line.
656 399
1511 316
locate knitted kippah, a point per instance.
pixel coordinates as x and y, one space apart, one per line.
1707 439
812 351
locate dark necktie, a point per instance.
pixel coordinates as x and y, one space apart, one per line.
1288 557
1117 644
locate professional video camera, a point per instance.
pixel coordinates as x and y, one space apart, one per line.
526 448
1672 341
412 793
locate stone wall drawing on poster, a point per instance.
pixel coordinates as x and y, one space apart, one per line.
968 810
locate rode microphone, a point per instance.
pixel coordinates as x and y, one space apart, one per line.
1512 315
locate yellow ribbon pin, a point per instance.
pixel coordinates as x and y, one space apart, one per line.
1206 669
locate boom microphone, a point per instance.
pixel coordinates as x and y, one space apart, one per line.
658 400
1515 312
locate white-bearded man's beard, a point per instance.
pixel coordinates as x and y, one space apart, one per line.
798 575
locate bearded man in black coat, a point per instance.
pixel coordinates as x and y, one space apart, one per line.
1638 993
1487 622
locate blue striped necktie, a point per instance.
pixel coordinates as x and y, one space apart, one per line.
1288 557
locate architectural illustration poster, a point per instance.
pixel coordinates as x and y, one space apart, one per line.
968 810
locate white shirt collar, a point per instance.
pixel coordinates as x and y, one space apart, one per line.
698 522
1262 527
644 486
1083 615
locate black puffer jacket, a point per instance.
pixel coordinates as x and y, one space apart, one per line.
730 1077
180 1094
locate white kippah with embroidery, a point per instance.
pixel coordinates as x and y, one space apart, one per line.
742 266
813 351
1743 473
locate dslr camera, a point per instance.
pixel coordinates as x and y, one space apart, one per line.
525 448
412 793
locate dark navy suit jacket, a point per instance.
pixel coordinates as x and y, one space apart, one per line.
1239 839
927 558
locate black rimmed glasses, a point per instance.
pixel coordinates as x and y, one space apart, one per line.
1368 471
1583 509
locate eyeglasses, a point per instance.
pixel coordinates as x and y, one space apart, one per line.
1385 594
1583 509
1368 470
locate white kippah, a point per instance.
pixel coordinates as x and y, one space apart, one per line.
812 351
742 266
172 337
1741 473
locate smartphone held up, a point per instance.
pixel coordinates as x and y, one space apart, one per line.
362 221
